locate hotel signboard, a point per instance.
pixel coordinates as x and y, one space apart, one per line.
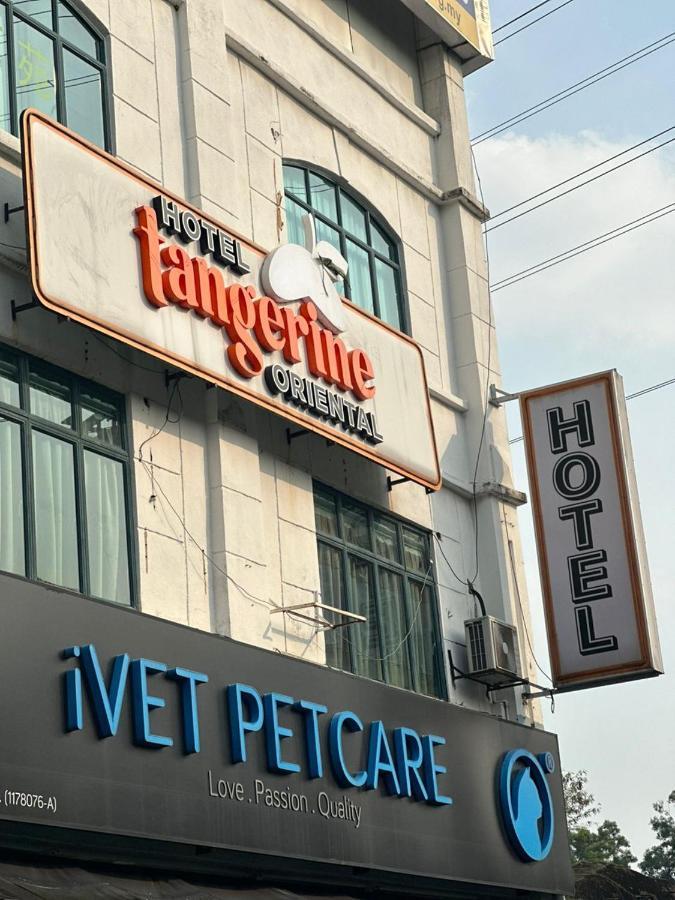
458 22
595 580
118 723
115 251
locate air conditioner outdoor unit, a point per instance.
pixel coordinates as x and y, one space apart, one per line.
492 650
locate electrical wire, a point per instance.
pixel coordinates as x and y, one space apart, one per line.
597 241
575 88
503 212
175 389
647 390
129 362
522 613
405 636
582 184
533 22
486 403
521 16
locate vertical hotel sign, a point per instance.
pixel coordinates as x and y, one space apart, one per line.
597 594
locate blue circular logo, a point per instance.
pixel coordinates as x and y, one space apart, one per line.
526 803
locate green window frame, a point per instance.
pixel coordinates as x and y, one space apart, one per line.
377 565
54 60
65 481
375 279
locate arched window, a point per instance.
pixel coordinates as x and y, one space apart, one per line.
54 61
374 279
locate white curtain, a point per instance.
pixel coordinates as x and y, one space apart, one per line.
55 516
12 555
106 528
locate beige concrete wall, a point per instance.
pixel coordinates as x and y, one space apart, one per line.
209 99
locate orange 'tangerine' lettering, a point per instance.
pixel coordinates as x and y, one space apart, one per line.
254 325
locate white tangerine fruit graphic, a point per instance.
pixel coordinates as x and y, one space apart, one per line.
292 273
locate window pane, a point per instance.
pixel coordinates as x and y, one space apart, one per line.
424 640
387 294
386 539
74 30
359 276
106 528
40 10
332 594
416 551
84 98
381 242
355 526
12 549
353 218
394 630
50 399
294 182
5 117
34 64
100 420
9 382
294 214
322 196
364 636
325 514
54 510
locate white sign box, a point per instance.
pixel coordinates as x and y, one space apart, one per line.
595 581
115 251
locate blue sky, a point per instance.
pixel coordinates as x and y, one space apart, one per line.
613 307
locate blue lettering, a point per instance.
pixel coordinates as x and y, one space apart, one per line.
312 711
142 703
188 681
343 776
431 769
275 733
106 703
73 695
378 747
238 697
408 764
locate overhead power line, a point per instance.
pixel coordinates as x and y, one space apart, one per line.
533 22
502 212
575 88
581 184
647 390
522 15
583 248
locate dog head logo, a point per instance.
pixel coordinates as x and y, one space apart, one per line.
292 273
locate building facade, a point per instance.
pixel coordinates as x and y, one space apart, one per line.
129 480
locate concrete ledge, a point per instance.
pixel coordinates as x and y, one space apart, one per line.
298 92
416 115
445 398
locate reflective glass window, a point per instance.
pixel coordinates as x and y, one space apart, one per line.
373 565
374 281
53 60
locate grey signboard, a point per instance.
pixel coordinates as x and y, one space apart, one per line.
110 725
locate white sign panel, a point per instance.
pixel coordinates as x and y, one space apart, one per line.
117 252
597 593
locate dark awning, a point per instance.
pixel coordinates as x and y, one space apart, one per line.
63 881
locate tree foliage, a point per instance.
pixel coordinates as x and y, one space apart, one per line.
659 860
580 805
606 845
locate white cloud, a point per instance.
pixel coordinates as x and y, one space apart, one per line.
611 307
622 290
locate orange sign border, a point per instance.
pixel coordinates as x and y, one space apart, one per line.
644 667
60 306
